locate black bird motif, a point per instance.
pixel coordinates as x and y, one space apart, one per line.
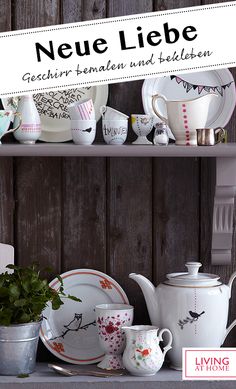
196 315
87 130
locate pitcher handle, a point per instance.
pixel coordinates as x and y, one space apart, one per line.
14 129
222 132
168 346
154 99
233 324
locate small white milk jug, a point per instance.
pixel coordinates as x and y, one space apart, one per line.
30 129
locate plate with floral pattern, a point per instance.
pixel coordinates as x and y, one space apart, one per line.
70 333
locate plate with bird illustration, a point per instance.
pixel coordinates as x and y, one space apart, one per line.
70 333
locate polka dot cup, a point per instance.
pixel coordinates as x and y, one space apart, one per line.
109 320
185 116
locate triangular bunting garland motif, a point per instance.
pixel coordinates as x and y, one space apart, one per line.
188 86
200 88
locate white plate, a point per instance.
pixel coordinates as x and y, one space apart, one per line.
70 333
52 107
221 109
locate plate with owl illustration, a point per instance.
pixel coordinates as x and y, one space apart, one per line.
70 333
52 108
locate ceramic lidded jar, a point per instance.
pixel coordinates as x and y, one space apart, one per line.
193 305
30 129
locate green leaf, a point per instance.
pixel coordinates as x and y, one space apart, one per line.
24 318
14 291
73 298
20 302
23 375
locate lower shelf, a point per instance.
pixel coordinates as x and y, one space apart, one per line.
44 378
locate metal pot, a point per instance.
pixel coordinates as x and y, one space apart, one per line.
18 347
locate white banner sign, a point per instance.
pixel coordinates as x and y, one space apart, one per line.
209 364
118 49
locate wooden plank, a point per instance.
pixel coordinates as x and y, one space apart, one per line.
129 222
37 180
35 13
84 213
38 212
84 183
176 201
5 20
129 225
126 96
207 198
6 164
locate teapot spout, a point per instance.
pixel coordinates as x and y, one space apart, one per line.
149 292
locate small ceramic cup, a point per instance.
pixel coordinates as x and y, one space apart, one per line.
109 113
109 320
115 131
142 125
5 120
83 131
82 110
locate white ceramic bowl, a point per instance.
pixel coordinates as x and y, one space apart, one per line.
83 131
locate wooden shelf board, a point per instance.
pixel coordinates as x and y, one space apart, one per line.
44 378
102 150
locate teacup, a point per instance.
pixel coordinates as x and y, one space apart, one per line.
83 131
82 110
110 318
109 113
5 119
115 131
142 125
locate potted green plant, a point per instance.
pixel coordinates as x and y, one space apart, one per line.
23 296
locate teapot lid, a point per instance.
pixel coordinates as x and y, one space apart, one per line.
193 278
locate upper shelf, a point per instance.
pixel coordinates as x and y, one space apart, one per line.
103 150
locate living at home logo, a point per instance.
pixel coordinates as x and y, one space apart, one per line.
209 364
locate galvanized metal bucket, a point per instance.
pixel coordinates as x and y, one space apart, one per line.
18 347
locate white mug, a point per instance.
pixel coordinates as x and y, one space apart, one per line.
115 131
109 113
83 131
82 110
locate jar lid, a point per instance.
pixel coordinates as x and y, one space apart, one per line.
193 278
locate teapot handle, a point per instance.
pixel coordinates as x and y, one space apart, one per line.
154 98
233 324
168 346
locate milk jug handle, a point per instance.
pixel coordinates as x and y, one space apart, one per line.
233 324
154 99
168 346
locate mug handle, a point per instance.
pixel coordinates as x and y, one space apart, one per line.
103 109
221 131
154 99
168 346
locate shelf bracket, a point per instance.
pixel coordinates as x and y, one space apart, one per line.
223 212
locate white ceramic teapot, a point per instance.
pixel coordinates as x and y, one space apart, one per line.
194 306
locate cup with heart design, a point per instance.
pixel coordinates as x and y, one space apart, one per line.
110 318
83 131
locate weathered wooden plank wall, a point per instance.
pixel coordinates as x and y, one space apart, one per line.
115 215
